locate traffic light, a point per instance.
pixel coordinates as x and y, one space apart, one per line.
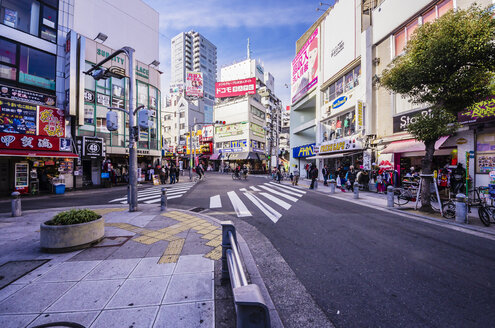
220 122
99 74
144 119
112 121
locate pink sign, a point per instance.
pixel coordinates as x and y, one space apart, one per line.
235 88
304 68
194 84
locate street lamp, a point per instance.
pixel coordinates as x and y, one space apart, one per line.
98 73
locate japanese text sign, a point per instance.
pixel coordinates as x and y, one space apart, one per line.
16 117
51 122
28 142
304 68
235 88
194 84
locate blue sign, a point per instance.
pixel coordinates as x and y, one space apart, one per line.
105 175
339 102
304 151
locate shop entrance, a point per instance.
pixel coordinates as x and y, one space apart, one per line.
4 176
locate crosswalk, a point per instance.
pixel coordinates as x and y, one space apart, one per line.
153 195
270 198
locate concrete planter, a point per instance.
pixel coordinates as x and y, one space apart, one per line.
66 238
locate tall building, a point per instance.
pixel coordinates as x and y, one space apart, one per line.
52 113
193 52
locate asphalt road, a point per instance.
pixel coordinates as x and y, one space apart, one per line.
363 267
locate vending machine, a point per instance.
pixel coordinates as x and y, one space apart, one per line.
22 177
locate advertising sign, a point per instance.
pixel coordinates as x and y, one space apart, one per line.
480 112
304 69
257 130
230 130
51 122
359 116
177 88
207 133
92 147
102 99
340 48
304 151
339 145
235 88
194 84
401 122
89 96
32 142
16 117
26 96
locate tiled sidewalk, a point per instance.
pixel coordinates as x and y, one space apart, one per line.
138 276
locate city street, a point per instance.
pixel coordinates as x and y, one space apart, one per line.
362 266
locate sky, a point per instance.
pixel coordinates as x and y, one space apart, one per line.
273 27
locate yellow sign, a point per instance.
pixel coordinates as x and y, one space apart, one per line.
360 116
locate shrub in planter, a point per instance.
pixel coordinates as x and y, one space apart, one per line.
71 230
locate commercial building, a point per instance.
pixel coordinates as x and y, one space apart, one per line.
252 114
45 46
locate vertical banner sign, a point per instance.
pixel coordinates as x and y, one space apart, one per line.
359 116
51 122
304 69
16 117
194 84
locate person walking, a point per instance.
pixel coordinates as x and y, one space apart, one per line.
296 176
172 174
279 176
313 172
351 177
325 173
199 171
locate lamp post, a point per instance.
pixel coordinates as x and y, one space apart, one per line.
96 70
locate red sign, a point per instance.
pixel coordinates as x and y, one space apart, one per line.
51 122
29 142
235 88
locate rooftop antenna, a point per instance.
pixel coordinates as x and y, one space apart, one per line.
248 50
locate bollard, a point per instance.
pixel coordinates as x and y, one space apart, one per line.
460 209
16 204
332 186
390 196
163 200
356 190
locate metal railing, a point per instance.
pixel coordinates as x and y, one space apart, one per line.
250 306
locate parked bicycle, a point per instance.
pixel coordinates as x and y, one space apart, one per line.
474 199
409 193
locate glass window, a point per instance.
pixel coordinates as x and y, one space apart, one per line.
339 87
357 75
444 7
430 16
142 94
8 52
8 72
349 81
485 154
89 115
49 17
400 42
49 34
411 28
37 68
21 14
331 92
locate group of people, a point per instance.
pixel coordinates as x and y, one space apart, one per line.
171 173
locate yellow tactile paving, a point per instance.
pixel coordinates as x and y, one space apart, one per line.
174 247
215 254
170 259
214 243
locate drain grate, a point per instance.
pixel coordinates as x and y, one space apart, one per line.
13 270
198 209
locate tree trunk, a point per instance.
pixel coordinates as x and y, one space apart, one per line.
426 163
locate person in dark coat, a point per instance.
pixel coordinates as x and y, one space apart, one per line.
313 173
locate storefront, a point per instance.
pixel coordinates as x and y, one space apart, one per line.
305 155
344 152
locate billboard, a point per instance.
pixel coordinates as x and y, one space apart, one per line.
51 122
340 48
207 133
304 68
194 84
17 117
235 88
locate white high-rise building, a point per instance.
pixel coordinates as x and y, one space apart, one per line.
193 52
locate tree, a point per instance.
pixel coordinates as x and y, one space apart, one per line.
449 64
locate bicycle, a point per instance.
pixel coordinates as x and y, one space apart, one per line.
408 193
475 201
236 176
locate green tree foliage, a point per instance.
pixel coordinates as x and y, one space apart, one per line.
449 64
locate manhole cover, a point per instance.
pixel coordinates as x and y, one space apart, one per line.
113 241
13 270
197 209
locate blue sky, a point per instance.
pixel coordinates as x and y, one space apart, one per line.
273 27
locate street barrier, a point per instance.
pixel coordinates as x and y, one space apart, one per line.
163 199
356 190
390 196
460 208
16 204
250 306
332 186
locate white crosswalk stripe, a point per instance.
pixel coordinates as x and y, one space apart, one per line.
261 196
153 194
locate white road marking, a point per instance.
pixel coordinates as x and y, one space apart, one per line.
243 189
239 206
155 192
276 200
279 193
265 208
215 201
254 188
158 199
287 187
285 190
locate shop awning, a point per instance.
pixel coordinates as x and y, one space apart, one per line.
27 153
261 156
215 156
410 145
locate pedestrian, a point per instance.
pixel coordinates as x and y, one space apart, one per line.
296 176
342 175
291 176
350 177
199 171
325 173
307 168
161 172
279 176
314 175
172 174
